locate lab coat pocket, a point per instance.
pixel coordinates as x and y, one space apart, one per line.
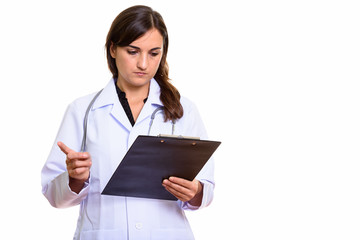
172 234
102 235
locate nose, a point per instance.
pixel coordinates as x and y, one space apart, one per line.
143 61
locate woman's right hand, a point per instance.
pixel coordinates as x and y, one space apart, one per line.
78 166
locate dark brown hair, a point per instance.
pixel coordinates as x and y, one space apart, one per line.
128 26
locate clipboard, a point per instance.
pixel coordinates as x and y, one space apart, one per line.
152 159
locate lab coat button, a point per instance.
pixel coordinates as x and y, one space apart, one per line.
138 226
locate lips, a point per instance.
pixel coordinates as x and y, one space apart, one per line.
140 73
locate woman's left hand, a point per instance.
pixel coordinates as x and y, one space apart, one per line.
185 190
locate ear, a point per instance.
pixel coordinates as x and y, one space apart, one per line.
113 50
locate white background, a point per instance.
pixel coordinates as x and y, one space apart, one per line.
276 81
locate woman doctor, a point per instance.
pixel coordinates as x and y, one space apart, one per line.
136 48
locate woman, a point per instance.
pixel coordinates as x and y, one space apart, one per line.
136 48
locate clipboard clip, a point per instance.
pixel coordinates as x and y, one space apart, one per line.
178 136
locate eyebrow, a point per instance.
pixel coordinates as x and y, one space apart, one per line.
156 48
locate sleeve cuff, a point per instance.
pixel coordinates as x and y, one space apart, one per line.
61 196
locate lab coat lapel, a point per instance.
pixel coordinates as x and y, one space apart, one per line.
119 115
152 102
110 97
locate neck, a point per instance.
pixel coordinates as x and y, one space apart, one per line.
134 93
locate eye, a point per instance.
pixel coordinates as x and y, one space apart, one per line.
154 54
132 52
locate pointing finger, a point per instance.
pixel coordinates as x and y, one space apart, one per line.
65 149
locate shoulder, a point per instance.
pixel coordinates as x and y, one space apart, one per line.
191 112
187 103
80 104
107 96
191 121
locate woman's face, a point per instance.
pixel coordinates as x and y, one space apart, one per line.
138 62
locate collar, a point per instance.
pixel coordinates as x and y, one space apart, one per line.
109 95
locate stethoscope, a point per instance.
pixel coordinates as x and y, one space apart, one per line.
83 143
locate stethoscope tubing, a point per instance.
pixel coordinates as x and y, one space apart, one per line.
83 143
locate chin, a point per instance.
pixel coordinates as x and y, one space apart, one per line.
140 82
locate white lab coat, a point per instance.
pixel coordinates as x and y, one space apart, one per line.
109 136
